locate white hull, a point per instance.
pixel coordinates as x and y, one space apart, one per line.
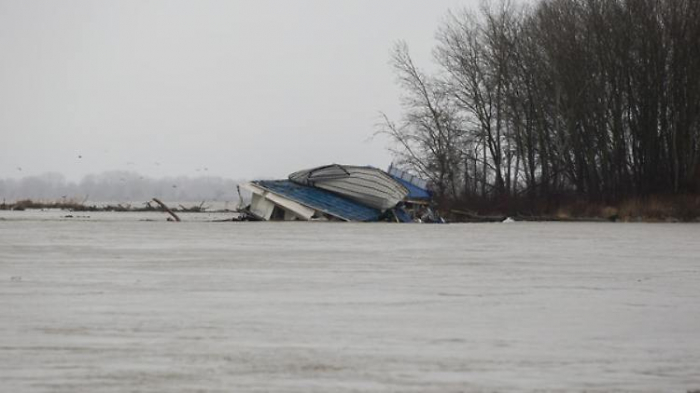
369 186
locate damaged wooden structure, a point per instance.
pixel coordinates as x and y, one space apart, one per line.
333 193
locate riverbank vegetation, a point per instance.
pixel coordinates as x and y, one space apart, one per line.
559 108
75 205
665 208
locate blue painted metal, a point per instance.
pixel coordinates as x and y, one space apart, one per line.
321 200
414 192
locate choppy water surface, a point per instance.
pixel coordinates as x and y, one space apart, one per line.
114 304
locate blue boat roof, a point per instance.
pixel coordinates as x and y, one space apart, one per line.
414 192
321 200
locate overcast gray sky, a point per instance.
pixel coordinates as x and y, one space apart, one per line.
242 88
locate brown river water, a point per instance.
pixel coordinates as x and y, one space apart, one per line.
107 302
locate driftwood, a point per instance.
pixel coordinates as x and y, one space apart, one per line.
167 209
561 219
466 216
194 209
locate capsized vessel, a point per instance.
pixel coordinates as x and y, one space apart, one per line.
364 184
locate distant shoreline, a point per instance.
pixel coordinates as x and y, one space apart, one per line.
75 206
659 208
652 210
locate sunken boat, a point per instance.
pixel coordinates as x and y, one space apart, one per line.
364 184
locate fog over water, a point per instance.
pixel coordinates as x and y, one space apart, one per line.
163 88
119 186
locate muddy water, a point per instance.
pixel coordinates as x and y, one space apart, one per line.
114 304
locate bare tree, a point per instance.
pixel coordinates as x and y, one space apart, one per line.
427 135
600 98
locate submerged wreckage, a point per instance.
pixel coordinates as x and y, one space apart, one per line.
341 193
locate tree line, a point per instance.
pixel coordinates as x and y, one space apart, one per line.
118 186
594 98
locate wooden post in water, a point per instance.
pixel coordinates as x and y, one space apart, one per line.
167 209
